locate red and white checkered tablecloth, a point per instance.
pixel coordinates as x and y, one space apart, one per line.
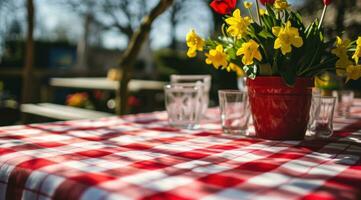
140 157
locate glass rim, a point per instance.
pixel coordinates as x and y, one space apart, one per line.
324 97
231 91
189 87
347 91
197 84
204 77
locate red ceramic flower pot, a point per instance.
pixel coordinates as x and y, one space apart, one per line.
280 112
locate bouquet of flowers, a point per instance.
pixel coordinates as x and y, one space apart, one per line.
274 41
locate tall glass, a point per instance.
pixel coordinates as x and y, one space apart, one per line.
321 120
183 104
204 79
235 112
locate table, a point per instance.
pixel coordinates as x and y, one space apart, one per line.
105 84
140 157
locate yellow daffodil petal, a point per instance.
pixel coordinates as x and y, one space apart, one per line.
341 48
276 30
249 50
297 42
353 72
195 43
341 65
263 12
191 53
237 13
233 67
258 56
287 37
286 49
237 24
281 4
277 44
217 57
357 53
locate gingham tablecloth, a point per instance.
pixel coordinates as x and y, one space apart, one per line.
140 157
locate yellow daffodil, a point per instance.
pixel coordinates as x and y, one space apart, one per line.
287 37
195 43
341 47
341 65
353 72
249 50
247 4
217 57
263 12
281 4
357 53
341 52
233 67
238 24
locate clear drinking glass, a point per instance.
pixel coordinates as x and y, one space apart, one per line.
242 83
321 116
344 102
314 106
205 79
235 112
183 104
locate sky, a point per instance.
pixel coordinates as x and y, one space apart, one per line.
52 17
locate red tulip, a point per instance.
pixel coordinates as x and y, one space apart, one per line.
223 6
264 2
326 2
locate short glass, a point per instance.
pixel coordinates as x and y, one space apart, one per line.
242 83
321 116
344 102
183 104
235 112
205 79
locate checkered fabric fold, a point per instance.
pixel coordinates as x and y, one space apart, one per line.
141 157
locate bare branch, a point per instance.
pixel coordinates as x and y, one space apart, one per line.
131 53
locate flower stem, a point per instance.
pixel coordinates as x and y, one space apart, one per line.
322 16
258 14
250 14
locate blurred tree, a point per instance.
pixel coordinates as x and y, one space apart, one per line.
121 15
182 13
129 57
10 27
341 16
29 54
175 11
15 31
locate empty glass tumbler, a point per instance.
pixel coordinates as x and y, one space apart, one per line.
204 79
321 116
344 102
183 104
235 112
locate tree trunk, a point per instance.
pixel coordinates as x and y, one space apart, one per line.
340 16
29 59
173 21
82 48
131 53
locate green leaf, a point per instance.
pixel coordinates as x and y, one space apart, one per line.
231 52
288 77
251 71
265 34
